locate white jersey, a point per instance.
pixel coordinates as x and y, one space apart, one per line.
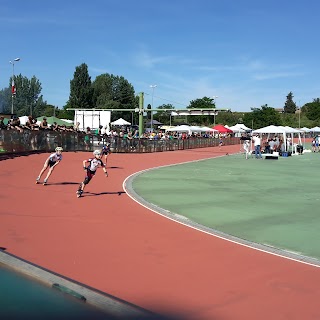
257 141
54 157
95 164
246 145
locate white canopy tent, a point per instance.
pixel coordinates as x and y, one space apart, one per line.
195 129
292 131
207 129
283 131
269 129
239 127
272 130
305 129
120 122
190 129
182 128
315 129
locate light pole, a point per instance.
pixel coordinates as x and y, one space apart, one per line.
13 88
215 106
299 108
152 86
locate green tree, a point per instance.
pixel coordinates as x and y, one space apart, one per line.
32 97
114 92
262 117
290 106
229 118
204 103
5 100
64 113
28 99
312 110
81 90
163 116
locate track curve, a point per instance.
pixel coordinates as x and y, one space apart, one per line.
107 241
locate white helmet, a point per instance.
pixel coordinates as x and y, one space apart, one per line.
59 149
97 153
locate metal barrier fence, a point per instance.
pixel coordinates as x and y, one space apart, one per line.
12 141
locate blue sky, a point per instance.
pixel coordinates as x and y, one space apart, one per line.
246 52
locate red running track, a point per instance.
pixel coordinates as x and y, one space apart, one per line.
109 242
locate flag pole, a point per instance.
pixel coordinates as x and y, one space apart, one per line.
13 87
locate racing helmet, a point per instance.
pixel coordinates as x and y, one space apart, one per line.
97 153
58 149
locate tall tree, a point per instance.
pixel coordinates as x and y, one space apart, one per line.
114 92
27 100
163 116
262 117
312 109
289 106
5 100
81 91
204 103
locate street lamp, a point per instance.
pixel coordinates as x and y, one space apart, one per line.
215 106
13 88
152 86
299 109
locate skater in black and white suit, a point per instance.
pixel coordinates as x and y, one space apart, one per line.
90 166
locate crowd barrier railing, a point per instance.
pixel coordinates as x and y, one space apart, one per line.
12 141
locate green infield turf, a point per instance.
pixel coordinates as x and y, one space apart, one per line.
271 202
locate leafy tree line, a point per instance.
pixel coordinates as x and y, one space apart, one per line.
109 91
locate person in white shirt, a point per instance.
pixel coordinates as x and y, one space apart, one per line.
257 146
52 161
246 148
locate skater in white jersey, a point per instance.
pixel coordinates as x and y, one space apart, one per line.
52 161
90 166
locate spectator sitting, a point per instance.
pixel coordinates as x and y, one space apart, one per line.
272 145
44 124
55 127
15 124
2 125
31 124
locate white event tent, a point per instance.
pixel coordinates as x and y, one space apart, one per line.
207 129
120 122
190 129
280 130
315 129
240 127
181 128
305 129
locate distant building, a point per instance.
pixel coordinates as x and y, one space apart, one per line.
7 115
280 110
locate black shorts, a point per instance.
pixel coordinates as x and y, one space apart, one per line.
90 174
51 163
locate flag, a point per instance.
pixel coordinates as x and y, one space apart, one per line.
13 88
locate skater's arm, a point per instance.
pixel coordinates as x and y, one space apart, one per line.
84 163
57 162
